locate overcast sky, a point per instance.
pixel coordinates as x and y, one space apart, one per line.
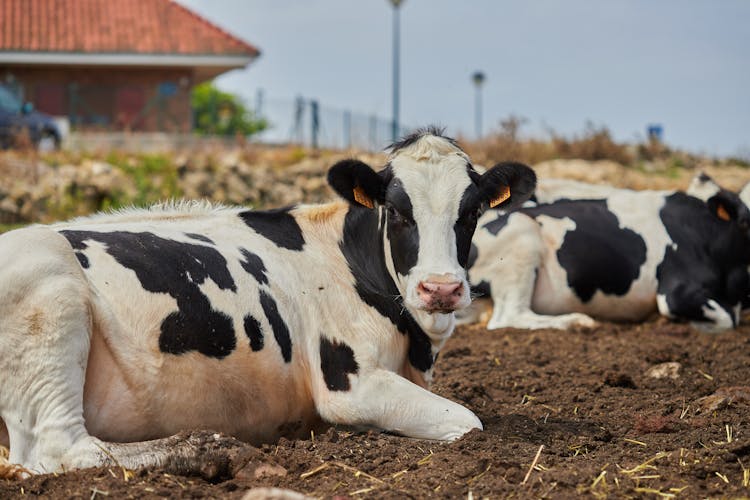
621 63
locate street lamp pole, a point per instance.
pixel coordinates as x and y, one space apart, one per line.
396 63
478 79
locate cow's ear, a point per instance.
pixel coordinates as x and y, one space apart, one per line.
356 182
506 185
728 206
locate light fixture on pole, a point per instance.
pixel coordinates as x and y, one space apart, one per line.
396 53
478 79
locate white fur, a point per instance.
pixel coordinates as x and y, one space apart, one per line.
549 190
702 187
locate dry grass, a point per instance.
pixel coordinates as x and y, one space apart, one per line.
595 143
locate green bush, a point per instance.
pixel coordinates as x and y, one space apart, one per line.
221 113
155 177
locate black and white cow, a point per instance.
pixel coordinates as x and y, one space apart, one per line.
620 257
133 326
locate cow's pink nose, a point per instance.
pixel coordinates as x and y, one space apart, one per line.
440 296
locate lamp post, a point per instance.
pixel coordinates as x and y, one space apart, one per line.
478 79
396 53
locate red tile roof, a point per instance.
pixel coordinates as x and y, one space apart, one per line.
113 26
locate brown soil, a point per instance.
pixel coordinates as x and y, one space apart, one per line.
604 427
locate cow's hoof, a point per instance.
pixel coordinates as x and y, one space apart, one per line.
470 423
581 320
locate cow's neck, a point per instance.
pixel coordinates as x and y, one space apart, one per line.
363 247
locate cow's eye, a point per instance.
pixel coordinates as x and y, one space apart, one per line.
398 218
470 218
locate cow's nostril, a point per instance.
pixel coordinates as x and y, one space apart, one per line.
440 289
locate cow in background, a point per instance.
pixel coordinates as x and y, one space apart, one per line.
617 254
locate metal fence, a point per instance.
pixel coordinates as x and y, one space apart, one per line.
154 109
307 122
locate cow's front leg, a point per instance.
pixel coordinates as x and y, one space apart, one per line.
512 277
690 301
383 399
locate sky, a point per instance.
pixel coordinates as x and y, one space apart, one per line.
623 64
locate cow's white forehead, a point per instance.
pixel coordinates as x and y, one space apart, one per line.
703 187
433 172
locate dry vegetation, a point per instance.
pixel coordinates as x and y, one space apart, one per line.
46 187
595 143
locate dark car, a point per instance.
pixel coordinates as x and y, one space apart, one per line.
17 119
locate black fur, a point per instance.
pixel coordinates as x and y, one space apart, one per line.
710 261
497 225
598 254
280 330
253 332
276 225
199 237
176 268
401 228
253 264
418 134
347 175
337 362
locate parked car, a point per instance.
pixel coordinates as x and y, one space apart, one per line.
17 119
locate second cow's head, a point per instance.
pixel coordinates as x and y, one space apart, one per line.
428 198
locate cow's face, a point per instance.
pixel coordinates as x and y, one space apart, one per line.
429 198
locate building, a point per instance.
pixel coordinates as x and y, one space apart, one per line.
113 64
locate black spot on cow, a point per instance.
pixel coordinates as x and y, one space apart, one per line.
598 254
497 225
82 259
253 264
337 362
79 247
465 226
276 225
199 329
481 289
175 268
708 260
402 230
280 330
362 247
199 237
253 332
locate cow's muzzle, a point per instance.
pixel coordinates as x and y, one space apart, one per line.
441 296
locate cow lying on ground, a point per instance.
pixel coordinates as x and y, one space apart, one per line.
620 257
133 326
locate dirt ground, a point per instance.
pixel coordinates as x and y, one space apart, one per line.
603 411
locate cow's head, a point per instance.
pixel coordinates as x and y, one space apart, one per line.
725 204
428 199
731 207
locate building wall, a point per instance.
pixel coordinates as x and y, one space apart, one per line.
108 98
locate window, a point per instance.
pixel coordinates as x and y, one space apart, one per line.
8 101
